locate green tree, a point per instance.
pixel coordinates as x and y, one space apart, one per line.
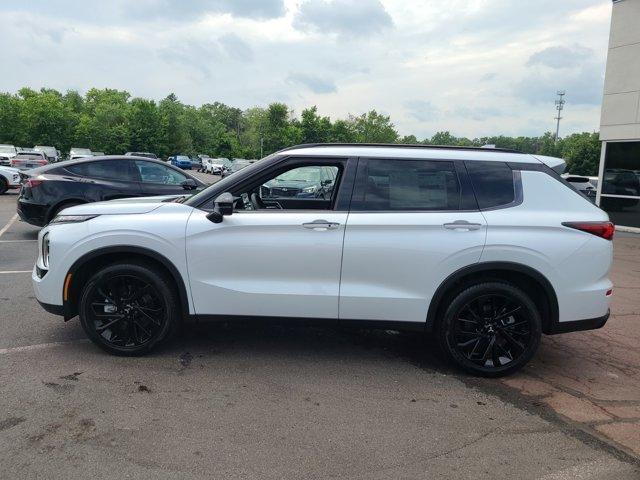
10 127
313 127
173 129
582 153
373 127
143 119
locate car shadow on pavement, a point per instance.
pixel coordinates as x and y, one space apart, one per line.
323 343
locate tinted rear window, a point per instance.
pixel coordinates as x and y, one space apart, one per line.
109 169
492 183
409 185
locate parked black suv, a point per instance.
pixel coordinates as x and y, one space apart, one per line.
47 190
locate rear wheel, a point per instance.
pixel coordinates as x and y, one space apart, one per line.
128 309
4 186
490 329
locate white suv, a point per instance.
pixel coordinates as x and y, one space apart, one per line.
487 249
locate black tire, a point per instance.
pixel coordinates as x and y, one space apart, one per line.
500 335
128 309
3 186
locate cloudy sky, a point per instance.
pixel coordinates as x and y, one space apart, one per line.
474 67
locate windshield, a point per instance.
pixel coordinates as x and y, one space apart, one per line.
183 158
80 151
221 185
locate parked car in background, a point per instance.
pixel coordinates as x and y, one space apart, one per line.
142 154
50 152
214 166
26 160
180 161
196 163
306 182
77 153
583 185
237 165
49 189
97 154
418 238
9 179
7 152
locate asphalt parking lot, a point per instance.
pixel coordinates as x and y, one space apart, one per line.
228 401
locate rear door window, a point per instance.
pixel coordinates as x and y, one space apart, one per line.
492 183
108 169
407 185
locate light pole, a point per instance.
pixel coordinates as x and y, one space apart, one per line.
559 107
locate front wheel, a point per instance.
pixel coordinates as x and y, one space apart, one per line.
490 329
127 309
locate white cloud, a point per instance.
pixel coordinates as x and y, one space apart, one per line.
344 17
474 67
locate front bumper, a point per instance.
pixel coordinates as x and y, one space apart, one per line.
53 309
578 325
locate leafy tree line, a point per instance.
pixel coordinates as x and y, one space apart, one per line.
112 121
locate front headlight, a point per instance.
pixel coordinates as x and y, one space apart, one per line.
311 189
71 218
45 250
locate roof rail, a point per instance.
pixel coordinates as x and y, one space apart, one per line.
399 145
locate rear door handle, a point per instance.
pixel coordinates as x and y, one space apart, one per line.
321 225
462 225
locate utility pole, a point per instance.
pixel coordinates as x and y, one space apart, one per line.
261 146
559 107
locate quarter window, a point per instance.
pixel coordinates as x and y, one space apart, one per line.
408 185
492 183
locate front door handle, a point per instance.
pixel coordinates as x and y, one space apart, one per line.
321 225
462 225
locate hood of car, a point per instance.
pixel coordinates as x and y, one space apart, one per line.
116 207
9 170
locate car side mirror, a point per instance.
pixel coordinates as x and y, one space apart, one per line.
189 184
324 183
222 205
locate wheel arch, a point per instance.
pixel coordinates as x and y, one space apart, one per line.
56 206
82 268
534 284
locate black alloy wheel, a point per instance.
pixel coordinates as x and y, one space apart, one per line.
491 329
128 309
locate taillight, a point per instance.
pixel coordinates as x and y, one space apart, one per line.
599 229
42 162
32 183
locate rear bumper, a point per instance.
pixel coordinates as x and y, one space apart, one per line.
32 213
578 325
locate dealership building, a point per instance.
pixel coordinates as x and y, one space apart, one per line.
619 175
